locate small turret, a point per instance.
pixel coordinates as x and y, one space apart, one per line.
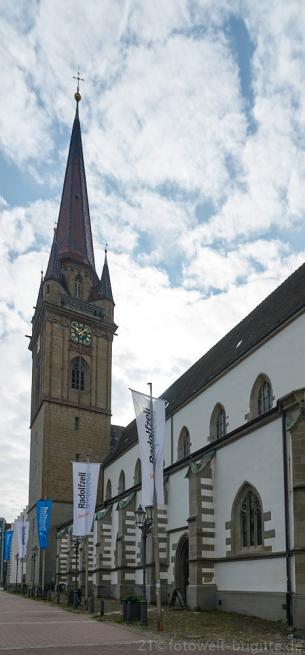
105 285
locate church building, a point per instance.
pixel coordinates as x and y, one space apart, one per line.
232 528
71 345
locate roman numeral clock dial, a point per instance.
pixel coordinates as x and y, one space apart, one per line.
80 333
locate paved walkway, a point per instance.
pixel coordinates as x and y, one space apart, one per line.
28 627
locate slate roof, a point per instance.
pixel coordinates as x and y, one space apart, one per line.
281 305
74 235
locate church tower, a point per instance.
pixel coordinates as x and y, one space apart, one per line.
71 347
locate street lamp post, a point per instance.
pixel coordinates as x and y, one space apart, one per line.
76 551
34 555
17 560
144 520
22 587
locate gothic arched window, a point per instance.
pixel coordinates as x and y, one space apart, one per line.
218 422
264 397
121 486
79 370
261 399
138 472
251 521
247 520
108 490
184 443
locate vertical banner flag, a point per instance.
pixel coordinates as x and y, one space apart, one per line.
22 529
8 537
43 515
85 479
151 432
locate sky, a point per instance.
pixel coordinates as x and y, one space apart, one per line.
193 125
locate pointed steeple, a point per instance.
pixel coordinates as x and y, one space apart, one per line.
53 269
105 286
74 235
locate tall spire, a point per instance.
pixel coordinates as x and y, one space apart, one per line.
105 287
53 270
74 235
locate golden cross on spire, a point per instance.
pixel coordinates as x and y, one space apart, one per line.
79 79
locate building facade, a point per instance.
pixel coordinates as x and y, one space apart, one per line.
16 567
231 531
2 530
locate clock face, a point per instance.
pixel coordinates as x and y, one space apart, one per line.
80 333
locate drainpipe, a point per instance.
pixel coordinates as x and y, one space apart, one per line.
172 439
289 616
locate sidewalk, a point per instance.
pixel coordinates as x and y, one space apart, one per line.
28 625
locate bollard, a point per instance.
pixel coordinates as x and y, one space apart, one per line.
144 612
102 608
129 612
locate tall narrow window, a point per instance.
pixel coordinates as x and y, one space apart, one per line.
264 397
78 374
184 443
121 486
251 521
108 490
77 286
221 424
137 472
261 398
218 422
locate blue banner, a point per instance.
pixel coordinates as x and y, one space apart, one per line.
8 536
43 514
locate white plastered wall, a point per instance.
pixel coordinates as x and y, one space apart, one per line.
278 358
251 575
255 458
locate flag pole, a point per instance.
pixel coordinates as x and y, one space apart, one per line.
160 626
86 549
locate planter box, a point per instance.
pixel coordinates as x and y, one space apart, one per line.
131 611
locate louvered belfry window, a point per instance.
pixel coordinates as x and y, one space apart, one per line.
78 374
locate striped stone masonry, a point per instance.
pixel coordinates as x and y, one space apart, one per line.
63 556
208 527
130 545
201 533
163 541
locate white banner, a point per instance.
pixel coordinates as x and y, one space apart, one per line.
22 530
85 480
148 449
